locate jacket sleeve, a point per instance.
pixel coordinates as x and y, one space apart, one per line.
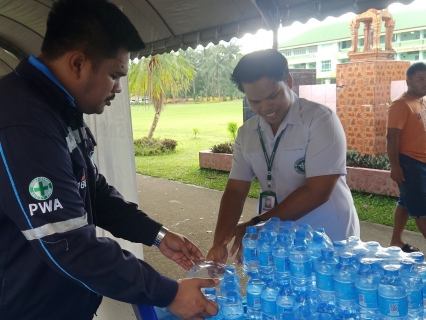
41 196
122 218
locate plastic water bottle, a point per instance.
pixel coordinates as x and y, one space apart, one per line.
230 283
319 241
268 301
281 258
354 242
420 267
366 288
382 258
250 240
264 253
289 224
372 247
210 294
300 269
414 285
324 270
396 255
306 227
393 299
269 228
276 222
417 257
340 247
254 289
231 307
344 287
286 305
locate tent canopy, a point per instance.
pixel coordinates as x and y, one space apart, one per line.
167 25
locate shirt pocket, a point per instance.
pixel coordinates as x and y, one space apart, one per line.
291 170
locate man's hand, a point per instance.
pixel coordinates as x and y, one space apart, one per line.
190 303
396 174
179 249
218 253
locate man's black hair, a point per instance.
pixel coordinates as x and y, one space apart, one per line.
256 65
96 27
418 66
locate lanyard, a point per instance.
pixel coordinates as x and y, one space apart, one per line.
270 160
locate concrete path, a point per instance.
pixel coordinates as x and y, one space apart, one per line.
192 211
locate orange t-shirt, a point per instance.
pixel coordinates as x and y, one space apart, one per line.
408 113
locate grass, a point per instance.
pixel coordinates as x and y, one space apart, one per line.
211 119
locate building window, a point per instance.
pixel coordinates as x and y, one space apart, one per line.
299 51
313 49
325 65
345 44
287 53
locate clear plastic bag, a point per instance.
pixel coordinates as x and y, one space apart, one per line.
207 269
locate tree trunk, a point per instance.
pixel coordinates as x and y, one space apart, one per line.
158 105
154 124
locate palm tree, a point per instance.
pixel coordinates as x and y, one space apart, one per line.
157 75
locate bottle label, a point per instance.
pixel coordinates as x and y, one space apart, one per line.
393 307
269 307
265 258
367 298
250 254
415 299
324 281
282 264
253 300
344 290
300 269
285 305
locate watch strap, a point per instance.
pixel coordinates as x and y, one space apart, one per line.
160 236
256 220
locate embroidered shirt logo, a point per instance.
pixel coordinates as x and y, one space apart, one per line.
299 165
41 188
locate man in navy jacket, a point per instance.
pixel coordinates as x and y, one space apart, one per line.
52 265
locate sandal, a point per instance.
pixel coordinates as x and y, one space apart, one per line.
409 248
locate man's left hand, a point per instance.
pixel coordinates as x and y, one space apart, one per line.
179 249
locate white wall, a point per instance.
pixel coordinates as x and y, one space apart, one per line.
115 159
321 93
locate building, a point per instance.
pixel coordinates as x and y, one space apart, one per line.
323 47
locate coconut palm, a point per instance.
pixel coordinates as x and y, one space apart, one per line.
157 75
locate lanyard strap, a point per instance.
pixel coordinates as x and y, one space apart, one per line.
269 161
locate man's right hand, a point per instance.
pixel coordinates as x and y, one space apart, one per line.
218 253
396 174
190 303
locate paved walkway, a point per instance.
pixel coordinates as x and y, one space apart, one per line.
192 211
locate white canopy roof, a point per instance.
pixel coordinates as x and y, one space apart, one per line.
167 25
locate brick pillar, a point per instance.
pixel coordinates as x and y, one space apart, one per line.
363 91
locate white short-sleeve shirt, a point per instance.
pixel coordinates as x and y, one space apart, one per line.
313 144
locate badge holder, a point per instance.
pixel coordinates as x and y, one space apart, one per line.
267 201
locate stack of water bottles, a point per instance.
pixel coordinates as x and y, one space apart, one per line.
296 272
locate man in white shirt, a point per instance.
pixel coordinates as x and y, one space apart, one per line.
295 148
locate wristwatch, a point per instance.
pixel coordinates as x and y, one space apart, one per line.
160 236
256 220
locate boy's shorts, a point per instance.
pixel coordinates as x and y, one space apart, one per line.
413 190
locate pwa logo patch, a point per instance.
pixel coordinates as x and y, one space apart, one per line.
46 206
299 165
41 188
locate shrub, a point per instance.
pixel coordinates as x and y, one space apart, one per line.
232 128
227 147
355 159
196 131
149 147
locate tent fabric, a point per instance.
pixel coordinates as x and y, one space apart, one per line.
167 25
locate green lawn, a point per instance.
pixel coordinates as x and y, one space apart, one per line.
211 119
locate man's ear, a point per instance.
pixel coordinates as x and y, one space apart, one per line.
289 80
77 61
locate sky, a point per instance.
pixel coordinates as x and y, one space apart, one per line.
263 39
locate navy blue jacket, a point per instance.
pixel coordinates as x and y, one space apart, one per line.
52 265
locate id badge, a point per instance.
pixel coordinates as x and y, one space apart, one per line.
267 201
